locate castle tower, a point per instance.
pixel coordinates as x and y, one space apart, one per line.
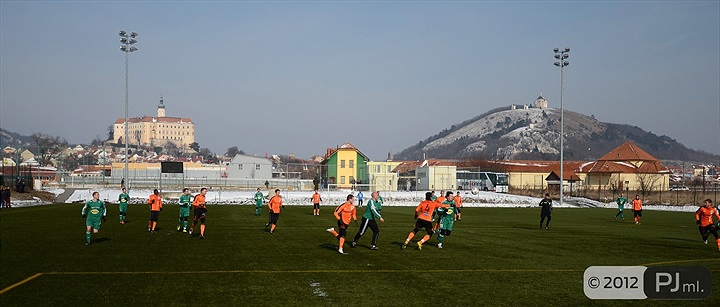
541 103
161 108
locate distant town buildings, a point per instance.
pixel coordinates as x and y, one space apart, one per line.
155 131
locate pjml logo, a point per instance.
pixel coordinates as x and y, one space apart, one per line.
687 282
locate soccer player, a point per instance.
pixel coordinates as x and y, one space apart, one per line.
259 200
343 214
360 198
274 206
621 201
637 208
440 212
546 211
200 212
447 217
441 198
123 198
316 199
94 213
423 213
155 203
704 220
458 207
372 211
184 204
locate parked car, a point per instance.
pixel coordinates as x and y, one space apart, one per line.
679 188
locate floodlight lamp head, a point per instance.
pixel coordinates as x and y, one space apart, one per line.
132 41
566 63
557 64
123 48
557 56
122 33
567 49
565 56
124 40
134 34
556 50
135 49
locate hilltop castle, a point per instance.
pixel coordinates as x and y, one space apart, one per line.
155 131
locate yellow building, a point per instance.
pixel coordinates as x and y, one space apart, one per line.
381 176
155 131
627 167
344 166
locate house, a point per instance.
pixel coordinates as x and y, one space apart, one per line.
381 176
436 177
409 179
344 166
539 175
249 167
626 167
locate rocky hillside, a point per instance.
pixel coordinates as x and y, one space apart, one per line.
534 134
12 139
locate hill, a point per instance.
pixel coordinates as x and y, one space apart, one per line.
534 134
12 139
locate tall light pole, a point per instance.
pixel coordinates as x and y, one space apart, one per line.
561 56
127 40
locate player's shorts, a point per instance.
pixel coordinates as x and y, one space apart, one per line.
445 232
200 213
154 215
274 218
93 222
342 229
123 207
458 209
420 224
705 231
637 213
316 206
184 212
258 205
545 214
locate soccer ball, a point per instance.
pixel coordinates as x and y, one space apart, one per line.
475 191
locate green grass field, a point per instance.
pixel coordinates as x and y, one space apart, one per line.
494 257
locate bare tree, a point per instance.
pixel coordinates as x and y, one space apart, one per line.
647 182
48 147
171 149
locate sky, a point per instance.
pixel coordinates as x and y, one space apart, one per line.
298 77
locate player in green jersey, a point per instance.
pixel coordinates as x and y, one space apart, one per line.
621 201
259 200
446 218
94 213
124 197
372 212
184 204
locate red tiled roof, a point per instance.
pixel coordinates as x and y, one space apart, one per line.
346 145
628 151
149 119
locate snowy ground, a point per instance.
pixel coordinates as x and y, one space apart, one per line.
337 197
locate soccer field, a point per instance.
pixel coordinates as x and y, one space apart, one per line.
495 256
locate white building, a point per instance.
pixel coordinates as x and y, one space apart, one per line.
249 167
436 178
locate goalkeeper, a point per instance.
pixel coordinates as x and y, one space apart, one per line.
123 199
447 218
184 204
94 213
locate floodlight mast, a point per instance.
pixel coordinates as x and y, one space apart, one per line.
126 41
561 55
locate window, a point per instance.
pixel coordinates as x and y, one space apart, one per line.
352 163
257 167
240 166
342 164
389 169
342 179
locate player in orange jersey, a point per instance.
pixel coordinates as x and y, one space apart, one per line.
316 199
704 220
637 208
274 206
200 212
343 214
458 206
423 213
155 202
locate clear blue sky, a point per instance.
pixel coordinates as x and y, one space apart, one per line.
299 77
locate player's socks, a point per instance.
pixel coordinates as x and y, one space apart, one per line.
717 241
425 238
184 224
441 238
154 224
410 236
272 228
202 229
341 243
87 237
